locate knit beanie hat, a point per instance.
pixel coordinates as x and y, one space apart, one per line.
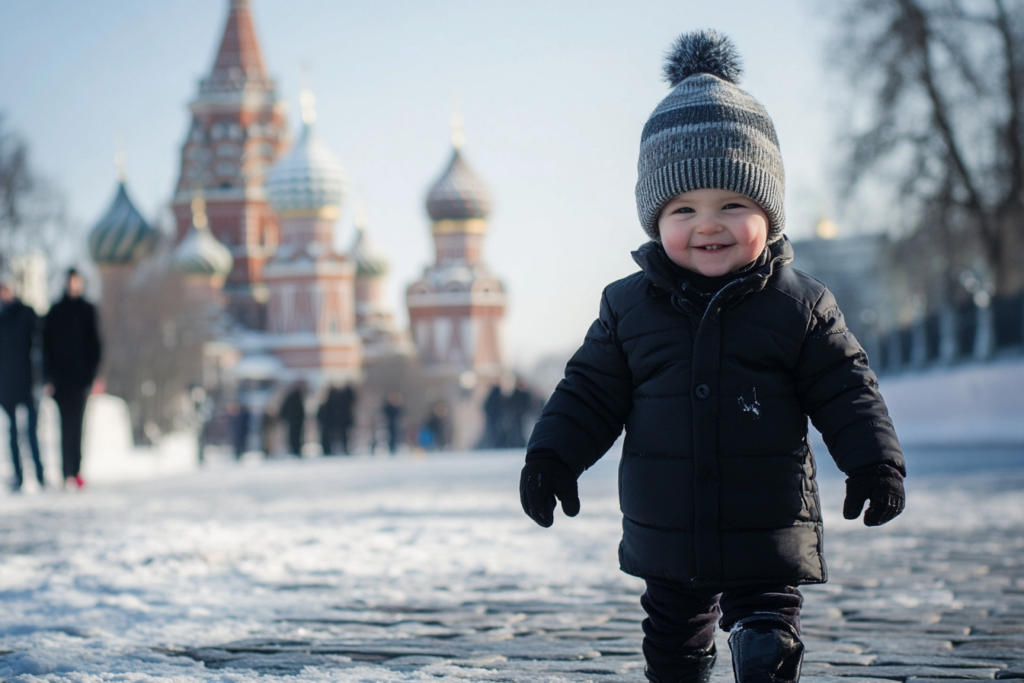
707 133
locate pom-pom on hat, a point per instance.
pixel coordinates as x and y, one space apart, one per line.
708 133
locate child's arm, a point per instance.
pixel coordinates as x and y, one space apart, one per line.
839 392
580 421
585 415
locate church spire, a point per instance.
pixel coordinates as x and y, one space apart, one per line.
238 66
238 46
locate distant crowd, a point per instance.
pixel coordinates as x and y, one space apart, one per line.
289 429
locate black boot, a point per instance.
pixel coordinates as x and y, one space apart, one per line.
688 668
765 650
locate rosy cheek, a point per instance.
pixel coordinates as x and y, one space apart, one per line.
673 239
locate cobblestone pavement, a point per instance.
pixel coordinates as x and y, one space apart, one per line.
937 594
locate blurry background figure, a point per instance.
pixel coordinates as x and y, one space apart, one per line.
71 356
335 417
392 415
18 327
203 411
519 411
507 409
435 434
293 412
345 415
268 432
241 421
494 410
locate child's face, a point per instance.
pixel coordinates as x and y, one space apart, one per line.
712 232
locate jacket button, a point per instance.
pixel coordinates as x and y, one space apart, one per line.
702 391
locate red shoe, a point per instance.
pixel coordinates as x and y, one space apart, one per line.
79 482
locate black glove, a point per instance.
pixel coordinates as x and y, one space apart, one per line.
544 478
882 485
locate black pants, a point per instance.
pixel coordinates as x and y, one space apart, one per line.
33 441
681 620
71 403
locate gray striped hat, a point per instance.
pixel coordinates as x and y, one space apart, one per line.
707 133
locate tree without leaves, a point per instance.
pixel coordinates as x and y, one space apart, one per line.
32 212
153 332
939 87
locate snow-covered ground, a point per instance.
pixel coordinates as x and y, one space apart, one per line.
95 583
378 569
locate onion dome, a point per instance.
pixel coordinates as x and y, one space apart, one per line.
122 236
200 253
308 179
369 261
459 194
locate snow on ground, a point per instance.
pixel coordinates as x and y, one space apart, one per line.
108 452
130 581
90 583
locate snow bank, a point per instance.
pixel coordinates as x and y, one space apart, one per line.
977 405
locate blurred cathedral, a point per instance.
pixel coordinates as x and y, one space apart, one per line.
255 233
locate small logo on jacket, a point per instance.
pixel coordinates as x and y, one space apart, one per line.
752 406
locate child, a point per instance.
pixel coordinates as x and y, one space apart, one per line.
712 357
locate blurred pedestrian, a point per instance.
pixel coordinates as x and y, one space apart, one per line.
19 326
71 357
518 407
334 418
392 415
494 412
241 421
344 414
436 428
268 432
293 412
325 423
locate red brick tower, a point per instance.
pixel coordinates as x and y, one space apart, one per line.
238 130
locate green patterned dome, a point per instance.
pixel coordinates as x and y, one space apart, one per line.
122 236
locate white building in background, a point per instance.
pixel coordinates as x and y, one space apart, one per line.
30 278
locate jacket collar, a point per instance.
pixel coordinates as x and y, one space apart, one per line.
662 273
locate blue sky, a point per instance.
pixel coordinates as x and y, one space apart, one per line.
554 95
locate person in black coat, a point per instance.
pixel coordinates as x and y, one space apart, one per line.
71 358
18 330
293 411
712 358
393 410
344 414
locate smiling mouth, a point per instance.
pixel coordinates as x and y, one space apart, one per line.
713 247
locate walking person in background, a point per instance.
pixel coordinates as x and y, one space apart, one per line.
293 411
344 414
18 328
241 422
325 422
517 407
392 414
71 357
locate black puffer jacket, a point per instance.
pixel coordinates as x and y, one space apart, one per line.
717 479
18 328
